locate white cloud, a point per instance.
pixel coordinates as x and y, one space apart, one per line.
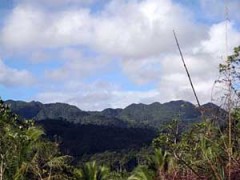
142 71
22 28
29 27
202 63
138 30
97 96
77 67
216 44
126 29
10 77
39 56
139 33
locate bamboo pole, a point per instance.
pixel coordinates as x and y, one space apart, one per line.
186 69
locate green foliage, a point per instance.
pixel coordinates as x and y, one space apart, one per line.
23 152
142 173
201 151
123 161
232 68
160 165
78 140
170 134
91 171
135 115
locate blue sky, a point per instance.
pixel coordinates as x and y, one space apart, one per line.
97 54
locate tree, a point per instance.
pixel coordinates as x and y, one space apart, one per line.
160 166
24 154
91 171
142 173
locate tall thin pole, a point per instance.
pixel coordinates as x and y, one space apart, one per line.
185 66
229 96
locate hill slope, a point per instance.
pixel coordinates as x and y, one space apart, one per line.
84 132
134 115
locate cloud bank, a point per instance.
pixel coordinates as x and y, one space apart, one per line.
130 40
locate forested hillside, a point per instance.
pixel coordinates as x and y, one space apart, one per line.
135 115
83 133
78 140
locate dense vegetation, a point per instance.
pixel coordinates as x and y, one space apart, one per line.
134 115
78 140
112 130
24 154
206 150
198 153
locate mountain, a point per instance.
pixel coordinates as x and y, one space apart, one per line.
135 115
156 114
38 111
87 132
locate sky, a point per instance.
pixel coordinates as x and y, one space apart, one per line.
99 54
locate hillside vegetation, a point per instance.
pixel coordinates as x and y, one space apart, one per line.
203 150
79 132
135 115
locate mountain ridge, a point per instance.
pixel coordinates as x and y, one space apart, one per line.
87 132
133 115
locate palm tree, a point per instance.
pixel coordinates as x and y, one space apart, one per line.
160 165
23 152
47 163
161 162
90 171
142 173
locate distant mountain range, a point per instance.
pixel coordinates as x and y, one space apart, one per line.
88 132
134 115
